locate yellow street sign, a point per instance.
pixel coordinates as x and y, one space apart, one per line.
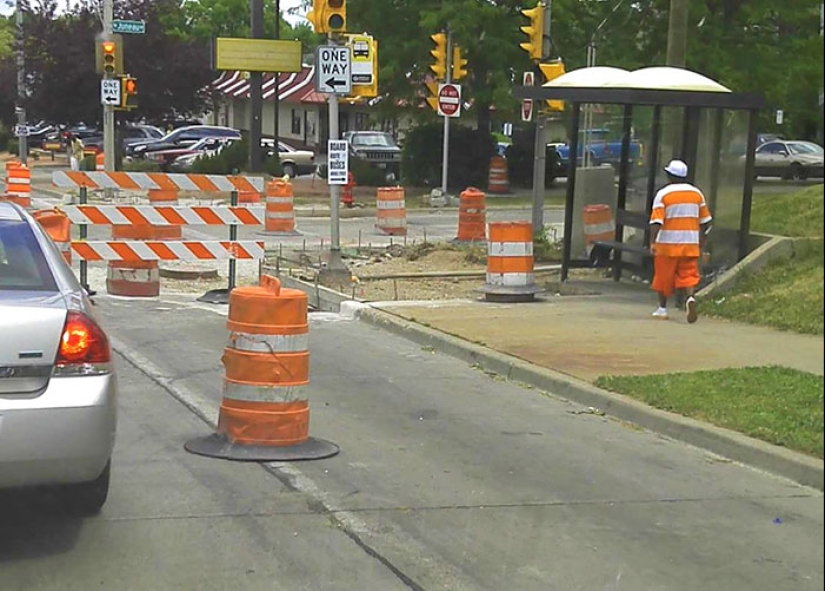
258 55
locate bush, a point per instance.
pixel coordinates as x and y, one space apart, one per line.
470 153
12 146
138 165
367 175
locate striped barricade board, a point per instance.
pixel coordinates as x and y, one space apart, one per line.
139 250
144 181
165 215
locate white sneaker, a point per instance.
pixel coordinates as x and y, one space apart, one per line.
692 311
660 314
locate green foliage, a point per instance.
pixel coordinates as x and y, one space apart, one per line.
88 162
546 250
141 165
272 166
786 294
12 145
792 214
775 404
367 175
232 159
470 153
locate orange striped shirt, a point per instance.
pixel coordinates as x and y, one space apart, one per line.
680 209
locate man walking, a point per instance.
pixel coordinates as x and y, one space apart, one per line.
679 225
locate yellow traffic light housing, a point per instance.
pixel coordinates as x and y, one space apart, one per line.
534 31
109 56
328 16
459 64
128 92
551 71
432 95
439 67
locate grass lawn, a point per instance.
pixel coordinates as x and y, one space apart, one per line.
798 213
777 405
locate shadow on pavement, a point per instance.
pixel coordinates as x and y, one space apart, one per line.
33 524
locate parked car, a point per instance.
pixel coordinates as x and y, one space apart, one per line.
180 137
294 162
57 380
789 159
38 134
129 134
600 149
206 146
378 148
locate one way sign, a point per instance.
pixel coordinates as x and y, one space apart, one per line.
333 69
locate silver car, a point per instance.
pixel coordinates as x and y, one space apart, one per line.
57 382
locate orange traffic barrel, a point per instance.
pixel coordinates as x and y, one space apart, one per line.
249 197
391 216
472 213
264 412
140 279
100 161
598 224
18 183
497 181
280 208
510 263
59 228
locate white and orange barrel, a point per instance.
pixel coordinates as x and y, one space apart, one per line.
510 263
598 224
100 161
59 228
267 366
140 279
18 183
497 181
249 197
391 217
280 207
472 214
264 411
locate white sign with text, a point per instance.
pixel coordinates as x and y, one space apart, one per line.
337 162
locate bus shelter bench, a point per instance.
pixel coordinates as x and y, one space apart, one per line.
603 251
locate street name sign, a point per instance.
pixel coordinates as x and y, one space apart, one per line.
449 100
110 91
133 27
337 162
334 69
527 104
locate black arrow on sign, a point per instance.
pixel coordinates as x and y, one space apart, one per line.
336 82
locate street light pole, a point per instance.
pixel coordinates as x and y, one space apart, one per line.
22 140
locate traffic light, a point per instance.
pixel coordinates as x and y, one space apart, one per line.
459 64
551 71
128 92
328 16
439 67
432 94
534 31
109 55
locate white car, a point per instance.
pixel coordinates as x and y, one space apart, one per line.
57 380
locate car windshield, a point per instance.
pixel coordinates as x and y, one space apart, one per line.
373 139
23 265
804 148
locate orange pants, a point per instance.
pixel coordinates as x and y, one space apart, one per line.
671 273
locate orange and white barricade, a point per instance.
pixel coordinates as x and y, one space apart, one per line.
264 413
280 208
59 228
472 213
510 263
391 216
598 224
18 183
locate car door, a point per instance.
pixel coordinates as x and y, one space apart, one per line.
768 159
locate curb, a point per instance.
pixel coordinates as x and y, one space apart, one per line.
777 460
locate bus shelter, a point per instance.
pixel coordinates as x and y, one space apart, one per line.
623 129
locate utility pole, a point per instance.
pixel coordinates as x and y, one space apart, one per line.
255 91
108 110
276 128
540 145
22 140
445 156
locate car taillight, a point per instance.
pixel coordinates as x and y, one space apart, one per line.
84 348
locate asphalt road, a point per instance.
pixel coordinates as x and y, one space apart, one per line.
448 479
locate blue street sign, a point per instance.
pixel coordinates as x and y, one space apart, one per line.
134 27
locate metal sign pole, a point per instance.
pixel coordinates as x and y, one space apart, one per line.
540 156
445 155
108 110
233 236
84 232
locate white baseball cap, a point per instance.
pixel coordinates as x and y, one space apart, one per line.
677 168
